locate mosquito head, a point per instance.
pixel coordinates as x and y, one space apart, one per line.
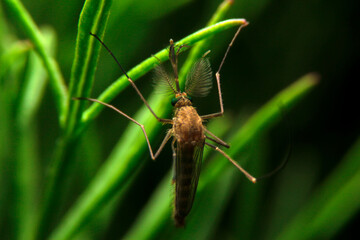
181 100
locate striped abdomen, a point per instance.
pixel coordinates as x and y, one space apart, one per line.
188 131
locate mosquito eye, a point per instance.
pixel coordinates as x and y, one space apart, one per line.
174 101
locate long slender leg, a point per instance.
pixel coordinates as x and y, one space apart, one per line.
218 114
251 178
174 160
131 82
134 121
166 139
215 138
146 103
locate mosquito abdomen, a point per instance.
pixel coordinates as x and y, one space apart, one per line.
188 131
184 186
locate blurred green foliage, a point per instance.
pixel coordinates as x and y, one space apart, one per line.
62 178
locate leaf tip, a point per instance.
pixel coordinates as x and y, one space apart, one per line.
313 78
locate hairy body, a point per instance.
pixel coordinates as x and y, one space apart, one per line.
190 139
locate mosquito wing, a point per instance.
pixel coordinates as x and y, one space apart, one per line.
187 171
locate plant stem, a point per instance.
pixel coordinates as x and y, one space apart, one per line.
93 18
24 20
27 162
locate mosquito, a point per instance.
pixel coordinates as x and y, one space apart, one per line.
188 131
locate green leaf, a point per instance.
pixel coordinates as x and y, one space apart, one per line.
93 18
22 18
27 162
334 203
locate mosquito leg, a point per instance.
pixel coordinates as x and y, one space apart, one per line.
128 117
251 178
146 103
174 160
131 81
230 45
218 114
215 138
166 139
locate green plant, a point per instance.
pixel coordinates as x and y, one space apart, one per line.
64 211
